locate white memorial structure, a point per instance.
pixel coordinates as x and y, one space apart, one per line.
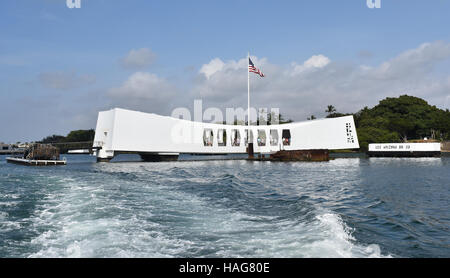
156 137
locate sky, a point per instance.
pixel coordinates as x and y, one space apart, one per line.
59 66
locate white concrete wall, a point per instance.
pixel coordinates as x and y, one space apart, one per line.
104 133
134 131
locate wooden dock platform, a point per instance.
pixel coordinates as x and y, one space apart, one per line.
30 162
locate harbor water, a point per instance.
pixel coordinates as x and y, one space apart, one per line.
347 207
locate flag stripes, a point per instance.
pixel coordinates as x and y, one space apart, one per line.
252 68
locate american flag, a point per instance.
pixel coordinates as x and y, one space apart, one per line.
252 68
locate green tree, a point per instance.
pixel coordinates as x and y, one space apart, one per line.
400 119
402 126
80 135
367 135
330 109
332 112
53 139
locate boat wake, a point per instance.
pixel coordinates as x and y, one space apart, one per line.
183 214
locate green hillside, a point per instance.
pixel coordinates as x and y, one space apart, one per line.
400 119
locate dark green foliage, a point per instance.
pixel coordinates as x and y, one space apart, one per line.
333 113
330 109
80 135
368 135
73 136
53 139
400 119
336 115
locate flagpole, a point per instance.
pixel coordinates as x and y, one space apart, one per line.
248 97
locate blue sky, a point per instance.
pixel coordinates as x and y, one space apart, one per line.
60 66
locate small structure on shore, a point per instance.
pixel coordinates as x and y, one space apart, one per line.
405 150
9 149
39 155
4 147
79 151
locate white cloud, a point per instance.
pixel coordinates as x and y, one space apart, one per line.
315 62
414 61
143 91
138 59
212 67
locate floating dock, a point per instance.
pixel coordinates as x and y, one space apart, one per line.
31 162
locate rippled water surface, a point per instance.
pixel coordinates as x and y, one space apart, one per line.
352 207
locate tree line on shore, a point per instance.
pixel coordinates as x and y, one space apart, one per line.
73 136
76 139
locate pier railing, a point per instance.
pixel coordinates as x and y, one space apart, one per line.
64 147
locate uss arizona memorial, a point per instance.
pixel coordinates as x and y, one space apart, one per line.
156 137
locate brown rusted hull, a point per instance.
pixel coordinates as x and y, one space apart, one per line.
297 155
158 158
250 151
301 155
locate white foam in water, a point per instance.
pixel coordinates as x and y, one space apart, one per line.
81 225
337 240
95 219
326 237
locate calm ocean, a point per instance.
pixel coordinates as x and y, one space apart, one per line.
347 207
